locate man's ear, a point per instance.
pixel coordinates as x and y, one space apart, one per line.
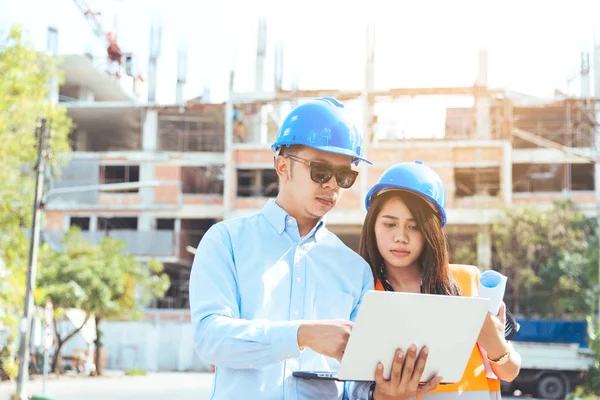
282 166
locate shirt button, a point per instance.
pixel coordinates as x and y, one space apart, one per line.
297 279
290 381
287 355
295 312
251 365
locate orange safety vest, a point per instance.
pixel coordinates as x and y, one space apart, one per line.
475 383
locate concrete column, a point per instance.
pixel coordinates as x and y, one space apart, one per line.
482 72
150 131
52 47
256 128
228 182
597 70
585 75
484 247
81 143
177 233
146 174
149 144
155 50
93 223
261 50
264 125
85 94
482 104
368 129
482 118
506 173
145 220
181 74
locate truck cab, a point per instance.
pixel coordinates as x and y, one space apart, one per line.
556 355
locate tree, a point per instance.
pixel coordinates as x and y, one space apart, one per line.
463 251
100 280
13 251
550 259
25 75
130 285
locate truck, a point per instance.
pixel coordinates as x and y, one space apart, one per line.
556 355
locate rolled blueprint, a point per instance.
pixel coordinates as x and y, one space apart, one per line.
491 286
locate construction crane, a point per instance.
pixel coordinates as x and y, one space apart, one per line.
114 53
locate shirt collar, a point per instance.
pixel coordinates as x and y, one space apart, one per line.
321 231
277 217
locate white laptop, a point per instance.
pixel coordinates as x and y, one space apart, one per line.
447 325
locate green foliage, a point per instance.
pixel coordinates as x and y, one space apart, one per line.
463 253
550 259
10 367
25 76
590 388
98 279
135 372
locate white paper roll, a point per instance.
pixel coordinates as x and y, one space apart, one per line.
492 285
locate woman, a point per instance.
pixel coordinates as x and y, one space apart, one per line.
403 241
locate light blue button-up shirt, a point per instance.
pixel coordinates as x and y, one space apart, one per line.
253 280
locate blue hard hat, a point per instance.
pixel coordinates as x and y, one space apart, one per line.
414 177
323 125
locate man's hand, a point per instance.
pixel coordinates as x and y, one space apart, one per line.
404 381
491 336
328 337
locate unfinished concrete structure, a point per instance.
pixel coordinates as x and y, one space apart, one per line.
117 140
211 162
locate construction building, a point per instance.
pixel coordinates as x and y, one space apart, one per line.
188 165
198 163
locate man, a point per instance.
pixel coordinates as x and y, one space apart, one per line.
276 292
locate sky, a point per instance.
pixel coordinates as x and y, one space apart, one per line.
533 46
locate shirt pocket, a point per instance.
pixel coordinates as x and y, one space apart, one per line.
332 304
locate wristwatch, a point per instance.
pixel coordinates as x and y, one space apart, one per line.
371 391
502 360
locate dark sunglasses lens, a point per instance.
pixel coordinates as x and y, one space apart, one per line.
345 179
320 173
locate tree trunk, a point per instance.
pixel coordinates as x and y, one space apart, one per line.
516 291
57 361
98 344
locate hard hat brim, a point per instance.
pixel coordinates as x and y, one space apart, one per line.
330 149
380 189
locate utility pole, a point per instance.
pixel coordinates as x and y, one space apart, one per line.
596 107
25 324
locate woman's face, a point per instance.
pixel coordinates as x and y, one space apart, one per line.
399 239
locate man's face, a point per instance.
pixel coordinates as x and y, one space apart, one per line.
312 199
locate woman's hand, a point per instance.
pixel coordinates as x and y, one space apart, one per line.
491 336
404 380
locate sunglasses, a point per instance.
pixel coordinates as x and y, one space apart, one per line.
321 172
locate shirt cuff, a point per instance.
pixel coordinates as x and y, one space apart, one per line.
284 340
358 390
